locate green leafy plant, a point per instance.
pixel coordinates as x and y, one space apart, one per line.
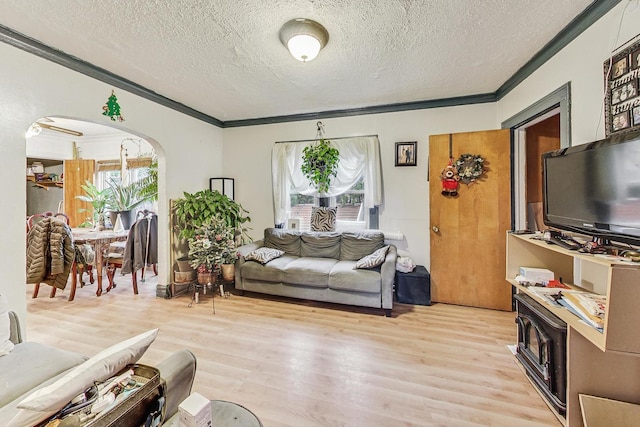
197 209
320 163
124 197
212 245
99 200
149 184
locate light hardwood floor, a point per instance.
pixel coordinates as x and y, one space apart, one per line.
310 364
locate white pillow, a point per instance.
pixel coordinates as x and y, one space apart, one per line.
5 327
48 400
372 260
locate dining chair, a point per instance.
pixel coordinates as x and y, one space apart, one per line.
142 234
79 265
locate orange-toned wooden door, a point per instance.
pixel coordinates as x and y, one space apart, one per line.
76 172
468 232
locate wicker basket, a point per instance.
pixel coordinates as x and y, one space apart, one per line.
184 276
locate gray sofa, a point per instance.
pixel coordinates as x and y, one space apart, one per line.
320 266
32 365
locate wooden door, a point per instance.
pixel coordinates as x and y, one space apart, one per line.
76 172
468 231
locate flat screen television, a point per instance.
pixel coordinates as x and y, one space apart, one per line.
594 189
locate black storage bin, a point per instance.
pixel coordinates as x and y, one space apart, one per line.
414 287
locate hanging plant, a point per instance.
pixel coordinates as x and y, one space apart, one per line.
469 167
320 163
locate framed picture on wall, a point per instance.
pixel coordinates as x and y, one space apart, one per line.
635 59
636 116
622 95
619 68
406 153
621 121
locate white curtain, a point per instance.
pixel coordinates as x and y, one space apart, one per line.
359 156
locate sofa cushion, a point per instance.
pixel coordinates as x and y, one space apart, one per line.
263 255
270 272
309 271
323 219
373 260
356 245
285 240
29 365
344 276
320 244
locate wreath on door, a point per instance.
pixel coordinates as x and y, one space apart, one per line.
469 167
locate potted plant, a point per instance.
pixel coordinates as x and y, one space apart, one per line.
211 246
228 256
320 163
194 210
125 199
99 200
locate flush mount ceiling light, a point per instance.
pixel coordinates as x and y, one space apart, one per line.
304 38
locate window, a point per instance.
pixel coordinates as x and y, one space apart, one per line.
110 171
356 191
349 213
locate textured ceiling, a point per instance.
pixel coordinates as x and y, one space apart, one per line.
224 57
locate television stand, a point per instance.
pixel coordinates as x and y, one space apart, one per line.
599 363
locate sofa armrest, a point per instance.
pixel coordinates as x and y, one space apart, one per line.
388 274
15 333
244 250
178 372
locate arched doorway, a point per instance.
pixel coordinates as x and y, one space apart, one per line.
109 150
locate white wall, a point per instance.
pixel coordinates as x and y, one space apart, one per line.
32 88
247 154
581 63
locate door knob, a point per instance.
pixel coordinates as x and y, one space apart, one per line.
435 229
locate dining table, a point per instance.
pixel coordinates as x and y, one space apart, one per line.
100 241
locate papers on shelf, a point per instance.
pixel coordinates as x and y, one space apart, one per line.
550 295
588 306
575 302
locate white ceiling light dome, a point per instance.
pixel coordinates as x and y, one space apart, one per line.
304 38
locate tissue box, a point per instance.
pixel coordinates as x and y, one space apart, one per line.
536 274
195 411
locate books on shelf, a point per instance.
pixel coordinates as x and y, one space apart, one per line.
587 306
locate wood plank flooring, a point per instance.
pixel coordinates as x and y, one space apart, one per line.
310 364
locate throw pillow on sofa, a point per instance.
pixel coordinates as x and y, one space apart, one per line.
263 255
48 400
323 219
5 327
372 260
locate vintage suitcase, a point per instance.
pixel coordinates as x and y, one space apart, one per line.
143 406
